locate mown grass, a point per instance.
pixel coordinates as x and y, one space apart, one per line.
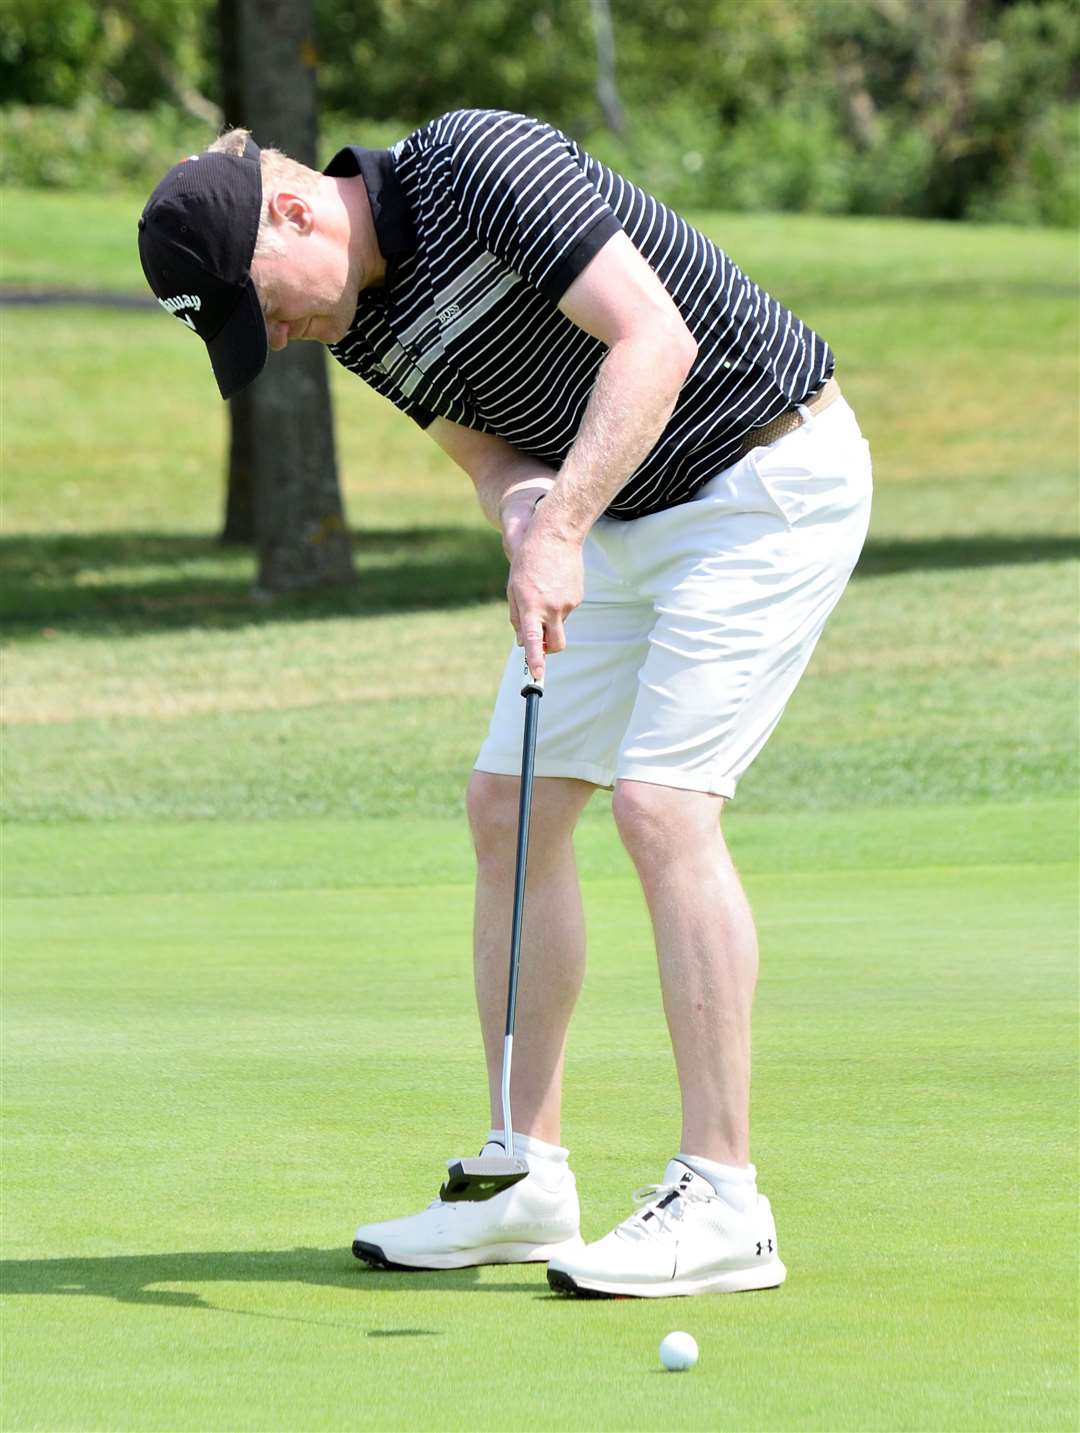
226 1044
236 985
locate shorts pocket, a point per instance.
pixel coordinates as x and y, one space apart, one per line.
811 479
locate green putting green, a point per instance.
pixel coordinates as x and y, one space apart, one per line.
222 1052
238 1010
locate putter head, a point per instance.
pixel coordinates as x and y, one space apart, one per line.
481 1178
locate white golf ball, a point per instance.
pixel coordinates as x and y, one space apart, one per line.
678 1352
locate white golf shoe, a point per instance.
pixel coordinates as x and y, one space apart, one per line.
527 1223
686 1239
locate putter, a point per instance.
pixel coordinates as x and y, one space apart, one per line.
488 1175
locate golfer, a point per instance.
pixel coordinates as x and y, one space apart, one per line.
682 493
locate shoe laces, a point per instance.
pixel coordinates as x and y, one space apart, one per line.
663 1203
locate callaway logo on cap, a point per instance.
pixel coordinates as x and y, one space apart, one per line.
196 240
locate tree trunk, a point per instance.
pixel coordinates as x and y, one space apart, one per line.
239 526
607 91
239 529
283 487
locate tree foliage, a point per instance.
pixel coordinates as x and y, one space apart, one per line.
61 52
955 108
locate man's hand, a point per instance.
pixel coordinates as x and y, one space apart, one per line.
547 581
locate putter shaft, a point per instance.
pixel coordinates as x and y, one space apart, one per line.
532 691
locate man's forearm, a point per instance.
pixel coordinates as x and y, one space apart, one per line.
519 475
636 390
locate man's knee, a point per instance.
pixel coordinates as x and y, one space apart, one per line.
492 805
655 820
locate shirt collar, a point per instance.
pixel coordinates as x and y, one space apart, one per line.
394 228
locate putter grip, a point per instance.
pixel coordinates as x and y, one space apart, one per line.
532 684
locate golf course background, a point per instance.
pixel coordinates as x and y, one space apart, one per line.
237 995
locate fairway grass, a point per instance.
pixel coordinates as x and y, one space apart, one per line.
943 684
225 1046
237 996
949 340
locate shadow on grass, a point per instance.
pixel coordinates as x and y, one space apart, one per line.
880 558
139 581
132 1278
119 583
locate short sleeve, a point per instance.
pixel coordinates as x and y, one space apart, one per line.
526 198
423 416
355 355
396 376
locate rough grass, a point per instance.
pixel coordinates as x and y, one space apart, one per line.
957 345
930 686
137 654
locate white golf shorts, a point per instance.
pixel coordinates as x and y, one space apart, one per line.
698 622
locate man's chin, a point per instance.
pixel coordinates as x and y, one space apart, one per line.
316 332
330 332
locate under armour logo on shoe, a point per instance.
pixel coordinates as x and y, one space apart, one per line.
767 1245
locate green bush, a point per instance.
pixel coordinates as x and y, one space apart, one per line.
94 146
792 157
338 130
940 108
60 52
788 157
891 176
1042 185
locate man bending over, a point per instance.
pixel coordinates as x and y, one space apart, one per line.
682 493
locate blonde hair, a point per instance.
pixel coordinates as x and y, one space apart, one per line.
277 170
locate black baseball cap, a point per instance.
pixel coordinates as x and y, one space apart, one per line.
196 240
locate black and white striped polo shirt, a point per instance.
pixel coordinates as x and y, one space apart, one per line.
485 219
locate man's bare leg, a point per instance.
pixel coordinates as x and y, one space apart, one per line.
538 1217
552 944
707 951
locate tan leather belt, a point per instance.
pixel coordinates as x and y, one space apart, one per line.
792 419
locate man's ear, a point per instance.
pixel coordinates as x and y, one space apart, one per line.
291 209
